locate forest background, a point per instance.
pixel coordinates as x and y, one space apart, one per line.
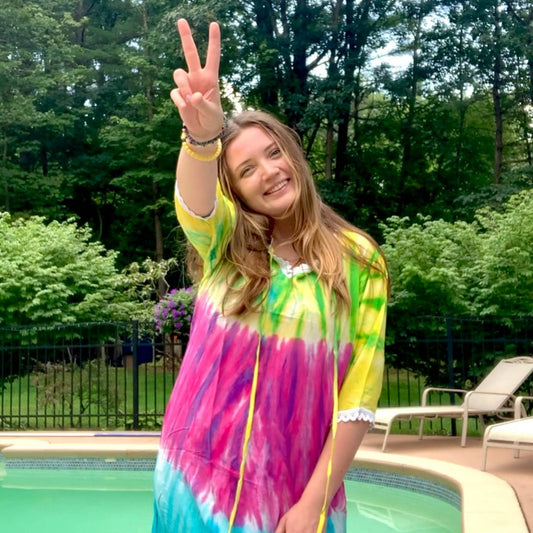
416 117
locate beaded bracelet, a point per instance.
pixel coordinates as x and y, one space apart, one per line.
200 157
186 136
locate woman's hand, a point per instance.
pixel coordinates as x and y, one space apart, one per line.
300 518
197 95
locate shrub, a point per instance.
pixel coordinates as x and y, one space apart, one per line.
173 313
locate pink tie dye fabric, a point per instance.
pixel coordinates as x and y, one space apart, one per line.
204 426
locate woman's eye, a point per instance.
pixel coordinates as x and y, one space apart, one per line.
246 171
275 152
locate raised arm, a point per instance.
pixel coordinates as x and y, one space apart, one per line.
197 98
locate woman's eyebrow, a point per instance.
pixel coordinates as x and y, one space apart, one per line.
273 144
243 163
247 161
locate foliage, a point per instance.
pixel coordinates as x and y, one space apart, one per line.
502 282
441 268
77 390
143 282
481 268
148 422
87 129
428 260
173 313
56 273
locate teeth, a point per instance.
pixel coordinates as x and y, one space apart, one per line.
277 187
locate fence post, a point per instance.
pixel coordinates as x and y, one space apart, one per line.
135 375
451 378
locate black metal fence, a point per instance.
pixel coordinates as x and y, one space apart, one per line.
446 351
120 375
115 375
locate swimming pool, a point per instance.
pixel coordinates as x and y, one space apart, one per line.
488 503
94 495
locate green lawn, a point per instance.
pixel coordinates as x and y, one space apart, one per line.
101 399
401 387
54 400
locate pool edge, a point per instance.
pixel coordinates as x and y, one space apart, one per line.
488 503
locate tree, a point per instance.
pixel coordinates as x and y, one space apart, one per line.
502 280
54 273
87 128
479 268
36 113
440 268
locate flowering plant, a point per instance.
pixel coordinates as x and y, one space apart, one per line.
173 313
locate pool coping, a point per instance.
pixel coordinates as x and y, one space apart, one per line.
489 504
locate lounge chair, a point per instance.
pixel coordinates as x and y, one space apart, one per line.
516 434
493 396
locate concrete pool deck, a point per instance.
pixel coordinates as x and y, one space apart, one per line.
497 501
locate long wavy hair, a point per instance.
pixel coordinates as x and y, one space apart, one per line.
319 233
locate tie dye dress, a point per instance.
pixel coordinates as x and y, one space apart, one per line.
267 379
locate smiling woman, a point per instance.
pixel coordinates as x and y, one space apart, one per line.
288 328
262 176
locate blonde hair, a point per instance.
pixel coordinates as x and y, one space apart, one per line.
319 236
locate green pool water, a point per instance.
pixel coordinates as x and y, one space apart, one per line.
384 509
114 501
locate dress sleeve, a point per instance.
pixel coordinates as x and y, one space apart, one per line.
361 387
211 234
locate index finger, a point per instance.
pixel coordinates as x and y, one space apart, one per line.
189 47
212 61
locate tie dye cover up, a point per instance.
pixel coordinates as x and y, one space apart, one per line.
294 336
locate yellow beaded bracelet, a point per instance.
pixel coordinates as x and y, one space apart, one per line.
200 157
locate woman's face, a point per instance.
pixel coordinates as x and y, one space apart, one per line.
260 173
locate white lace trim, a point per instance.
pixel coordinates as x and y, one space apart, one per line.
358 413
189 211
289 270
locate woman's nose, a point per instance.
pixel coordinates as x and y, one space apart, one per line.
269 169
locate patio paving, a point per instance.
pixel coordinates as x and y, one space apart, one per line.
500 462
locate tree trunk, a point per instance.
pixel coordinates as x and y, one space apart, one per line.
341 160
82 10
407 137
158 229
357 30
299 71
328 163
3 168
268 69
496 98
330 96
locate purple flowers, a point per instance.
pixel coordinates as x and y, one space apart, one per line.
173 313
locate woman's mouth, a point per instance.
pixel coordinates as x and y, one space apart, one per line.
277 187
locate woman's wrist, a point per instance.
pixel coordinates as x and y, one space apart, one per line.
312 498
200 140
203 138
202 152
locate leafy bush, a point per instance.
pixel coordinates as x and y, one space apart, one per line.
55 273
438 268
76 390
482 268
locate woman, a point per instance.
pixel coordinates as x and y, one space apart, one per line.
283 368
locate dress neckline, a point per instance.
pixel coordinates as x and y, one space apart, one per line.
291 271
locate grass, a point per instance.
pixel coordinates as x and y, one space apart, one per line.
101 397
83 399
403 388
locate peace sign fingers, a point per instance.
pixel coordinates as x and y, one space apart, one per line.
197 96
189 47
212 62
